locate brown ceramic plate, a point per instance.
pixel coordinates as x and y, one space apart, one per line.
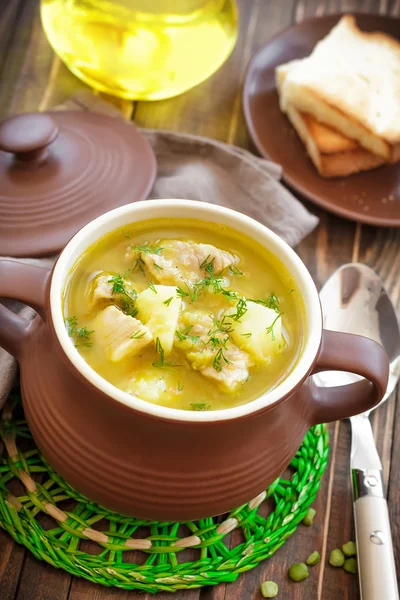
372 197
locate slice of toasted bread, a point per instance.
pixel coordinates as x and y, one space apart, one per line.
351 82
332 154
327 139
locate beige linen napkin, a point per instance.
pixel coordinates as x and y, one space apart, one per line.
198 168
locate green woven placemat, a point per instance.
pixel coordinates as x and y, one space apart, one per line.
59 525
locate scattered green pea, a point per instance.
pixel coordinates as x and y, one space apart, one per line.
313 559
269 589
336 558
350 565
298 572
309 518
349 549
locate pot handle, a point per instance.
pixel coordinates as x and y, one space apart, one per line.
26 283
355 354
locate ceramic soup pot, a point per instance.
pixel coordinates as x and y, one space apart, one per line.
161 463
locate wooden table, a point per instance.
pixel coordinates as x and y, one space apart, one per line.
31 78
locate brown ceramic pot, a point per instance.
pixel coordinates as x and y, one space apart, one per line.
156 462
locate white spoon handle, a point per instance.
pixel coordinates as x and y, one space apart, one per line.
377 571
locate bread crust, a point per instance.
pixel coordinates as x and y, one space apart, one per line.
377 36
327 139
331 164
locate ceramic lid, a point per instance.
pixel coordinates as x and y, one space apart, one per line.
59 170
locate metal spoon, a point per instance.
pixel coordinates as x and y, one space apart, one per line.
354 300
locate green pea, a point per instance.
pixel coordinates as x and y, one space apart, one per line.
349 549
336 558
269 589
309 518
313 559
298 572
350 565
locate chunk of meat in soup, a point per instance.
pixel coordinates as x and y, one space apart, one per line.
180 262
232 374
200 322
120 335
100 290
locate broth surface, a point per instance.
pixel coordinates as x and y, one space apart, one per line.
211 336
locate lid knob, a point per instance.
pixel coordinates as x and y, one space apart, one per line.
28 135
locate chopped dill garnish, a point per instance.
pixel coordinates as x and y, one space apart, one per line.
216 363
229 294
184 335
218 338
152 287
223 325
161 363
200 406
139 264
158 267
215 283
208 265
291 291
128 296
246 335
181 293
218 341
187 329
214 341
271 302
80 335
180 387
118 284
127 235
138 335
147 249
270 329
241 309
168 301
144 249
205 262
234 270
212 282
129 309
283 344
191 292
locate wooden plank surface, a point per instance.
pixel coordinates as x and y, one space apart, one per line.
31 78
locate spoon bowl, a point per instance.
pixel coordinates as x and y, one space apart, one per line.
355 300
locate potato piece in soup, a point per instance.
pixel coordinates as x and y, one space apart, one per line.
159 307
249 332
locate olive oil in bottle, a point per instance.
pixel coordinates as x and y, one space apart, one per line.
141 49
